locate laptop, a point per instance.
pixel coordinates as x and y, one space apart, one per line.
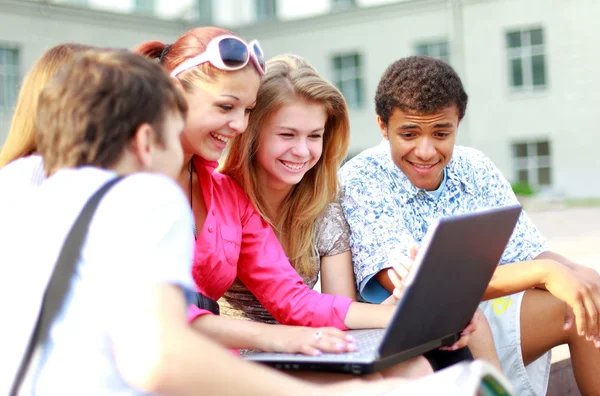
451 272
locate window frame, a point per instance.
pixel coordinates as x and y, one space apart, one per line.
8 72
351 74
428 45
532 162
525 52
265 10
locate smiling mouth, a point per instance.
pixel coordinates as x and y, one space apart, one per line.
221 138
293 165
422 166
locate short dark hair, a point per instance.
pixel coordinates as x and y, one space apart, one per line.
421 84
90 110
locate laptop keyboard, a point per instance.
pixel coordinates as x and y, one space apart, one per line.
368 342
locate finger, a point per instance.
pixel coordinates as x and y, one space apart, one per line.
569 319
471 327
398 293
461 343
340 339
596 299
398 284
401 270
333 345
396 280
309 350
337 333
592 316
580 318
413 251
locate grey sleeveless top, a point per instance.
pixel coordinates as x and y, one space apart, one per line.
331 237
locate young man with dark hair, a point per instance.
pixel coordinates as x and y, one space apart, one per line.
122 327
394 190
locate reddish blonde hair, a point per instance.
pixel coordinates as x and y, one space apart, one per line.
188 45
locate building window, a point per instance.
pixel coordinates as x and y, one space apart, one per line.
9 79
526 59
532 163
438 49
144 7
204 11
266 9
348 77
342 4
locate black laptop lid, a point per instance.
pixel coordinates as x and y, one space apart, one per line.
452 271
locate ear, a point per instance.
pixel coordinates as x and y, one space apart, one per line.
143 146
384 128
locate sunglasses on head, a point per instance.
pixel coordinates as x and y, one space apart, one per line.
227 53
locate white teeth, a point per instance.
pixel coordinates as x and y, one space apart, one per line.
220 138
423 166
293 166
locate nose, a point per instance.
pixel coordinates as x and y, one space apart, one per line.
300 148
239 123
425 149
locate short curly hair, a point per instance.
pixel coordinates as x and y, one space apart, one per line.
421 84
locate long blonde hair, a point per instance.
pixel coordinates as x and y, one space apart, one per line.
20 141
290 78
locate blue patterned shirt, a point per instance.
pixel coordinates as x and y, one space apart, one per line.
386 212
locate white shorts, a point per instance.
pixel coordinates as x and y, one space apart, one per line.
504 315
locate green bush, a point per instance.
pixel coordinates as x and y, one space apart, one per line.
523 189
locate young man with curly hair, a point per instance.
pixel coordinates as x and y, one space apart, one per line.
394 190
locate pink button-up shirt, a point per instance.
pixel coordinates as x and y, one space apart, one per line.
236 241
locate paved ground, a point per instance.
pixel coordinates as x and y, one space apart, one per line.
574 233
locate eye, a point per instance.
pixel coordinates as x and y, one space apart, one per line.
316 136
286 134
442 134
225 107
249 110
407 135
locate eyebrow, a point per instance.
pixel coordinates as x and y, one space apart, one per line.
295 130
443 125
408 127
231 96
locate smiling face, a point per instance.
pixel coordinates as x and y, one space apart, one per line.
218 111
422 144
290 143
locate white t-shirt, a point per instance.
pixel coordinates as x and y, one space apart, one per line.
140 236
26 171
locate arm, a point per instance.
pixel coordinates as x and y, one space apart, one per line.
267 273
157 352
337 275
377 231
333 245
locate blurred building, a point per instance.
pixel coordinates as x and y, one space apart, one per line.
528 65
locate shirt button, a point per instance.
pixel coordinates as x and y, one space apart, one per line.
214 212
210 228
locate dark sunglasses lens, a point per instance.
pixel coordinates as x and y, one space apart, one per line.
234 53
260 57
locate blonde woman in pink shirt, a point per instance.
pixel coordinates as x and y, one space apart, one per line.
220 75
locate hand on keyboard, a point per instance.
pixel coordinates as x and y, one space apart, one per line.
306 340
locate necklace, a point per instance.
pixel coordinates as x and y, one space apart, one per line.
192 200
